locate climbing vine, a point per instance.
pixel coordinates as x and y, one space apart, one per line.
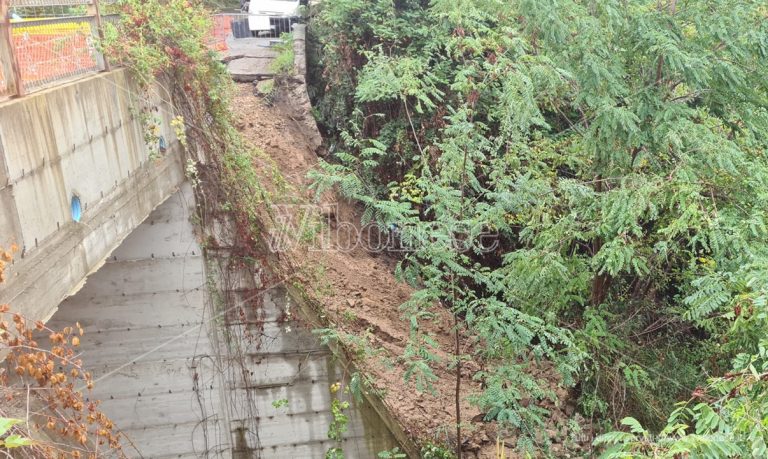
165 46
339 421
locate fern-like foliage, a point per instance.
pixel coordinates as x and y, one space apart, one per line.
613 150
728 419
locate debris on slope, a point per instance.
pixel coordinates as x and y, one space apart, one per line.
361 296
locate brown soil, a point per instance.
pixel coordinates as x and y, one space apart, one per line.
361 295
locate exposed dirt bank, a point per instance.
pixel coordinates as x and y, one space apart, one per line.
359 292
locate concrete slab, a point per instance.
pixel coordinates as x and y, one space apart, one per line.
149 275
250 47
250 69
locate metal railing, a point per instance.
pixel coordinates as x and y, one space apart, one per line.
238 25
277 26
43 42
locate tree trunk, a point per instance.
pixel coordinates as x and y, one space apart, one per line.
601 282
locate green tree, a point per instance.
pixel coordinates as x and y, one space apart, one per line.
615 147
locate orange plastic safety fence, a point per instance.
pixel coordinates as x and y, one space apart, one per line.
49 50
222 29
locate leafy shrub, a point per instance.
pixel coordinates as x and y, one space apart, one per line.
616 152
283 63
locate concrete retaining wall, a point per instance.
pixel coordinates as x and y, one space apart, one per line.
85 138
310 308
299 95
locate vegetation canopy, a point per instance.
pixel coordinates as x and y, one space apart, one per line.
615 150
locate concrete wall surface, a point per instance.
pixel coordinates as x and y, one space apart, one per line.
146 342
84 139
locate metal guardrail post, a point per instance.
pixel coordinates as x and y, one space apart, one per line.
6 41
100 27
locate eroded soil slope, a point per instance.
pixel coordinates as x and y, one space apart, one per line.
358 290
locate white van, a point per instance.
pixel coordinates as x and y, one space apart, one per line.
273 16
